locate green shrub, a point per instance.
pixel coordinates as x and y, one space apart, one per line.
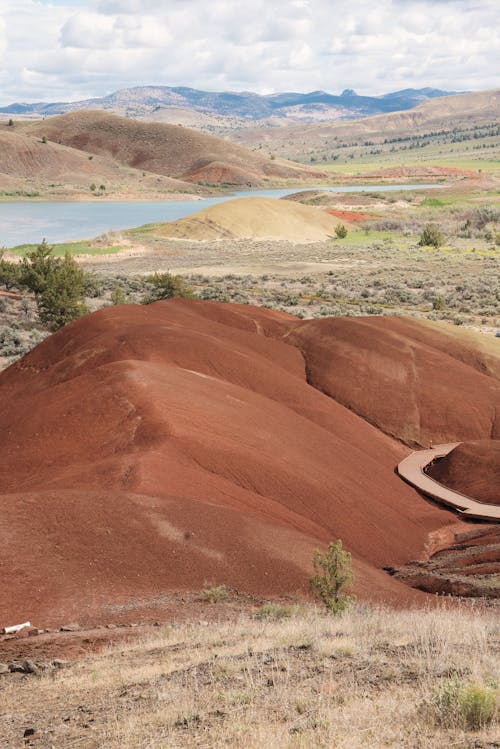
341 231
333 572
466 705
431 236
166 286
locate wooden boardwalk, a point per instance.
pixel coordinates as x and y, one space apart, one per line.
411 469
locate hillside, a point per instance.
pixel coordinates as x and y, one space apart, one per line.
472 468
168 150
212 447
253 218
460 117
27 164
417 381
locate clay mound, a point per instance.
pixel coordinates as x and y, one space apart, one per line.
154 448
419 382
254 218
170 150
472 468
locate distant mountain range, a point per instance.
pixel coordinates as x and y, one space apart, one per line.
146 101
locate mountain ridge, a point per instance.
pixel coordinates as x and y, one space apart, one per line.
143 100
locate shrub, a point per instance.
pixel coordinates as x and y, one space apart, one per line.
10 273
215 593
341 231
118 296
468 705
275 611
166 286
431 236
333 572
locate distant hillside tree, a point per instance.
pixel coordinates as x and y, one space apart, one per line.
341 231
58 285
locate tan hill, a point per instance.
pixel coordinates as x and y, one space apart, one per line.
472 468
28 163
169 150
254 218
467 110
155 448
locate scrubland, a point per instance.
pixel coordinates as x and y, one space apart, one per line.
278 676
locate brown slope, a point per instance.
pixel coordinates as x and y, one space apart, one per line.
165 149
472 468
415 381
27 161
158 447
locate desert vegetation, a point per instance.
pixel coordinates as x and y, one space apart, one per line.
275 675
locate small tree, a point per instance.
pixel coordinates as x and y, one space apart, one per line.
431 236
11 122
58 285
341 231
333 572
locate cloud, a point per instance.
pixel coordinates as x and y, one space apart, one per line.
83 48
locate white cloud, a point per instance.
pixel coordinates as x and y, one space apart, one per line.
83 48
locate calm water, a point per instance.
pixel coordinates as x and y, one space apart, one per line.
26 223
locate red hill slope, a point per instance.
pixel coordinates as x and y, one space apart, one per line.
472 468
417 381
154 448
170 150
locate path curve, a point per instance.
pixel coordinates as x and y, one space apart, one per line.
411 469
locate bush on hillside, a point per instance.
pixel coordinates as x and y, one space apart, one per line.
333 572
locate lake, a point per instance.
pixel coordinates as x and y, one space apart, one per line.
25 222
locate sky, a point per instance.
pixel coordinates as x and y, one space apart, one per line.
66 50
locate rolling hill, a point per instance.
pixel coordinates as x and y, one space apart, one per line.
153 448
168 150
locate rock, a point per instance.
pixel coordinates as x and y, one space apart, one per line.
4 669
59 664
110 626
33 632
16 668
73 627
29 732
30 668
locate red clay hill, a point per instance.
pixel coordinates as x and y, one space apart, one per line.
472 468
169 150
155 448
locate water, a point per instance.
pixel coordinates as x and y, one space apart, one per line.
29 222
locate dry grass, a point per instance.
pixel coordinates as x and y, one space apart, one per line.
365 679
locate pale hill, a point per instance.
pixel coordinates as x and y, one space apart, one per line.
169 150
254 218
151 448
26 162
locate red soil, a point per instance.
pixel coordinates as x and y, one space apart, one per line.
472 468
352 216
150 449
413 380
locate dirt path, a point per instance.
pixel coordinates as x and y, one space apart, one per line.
411 469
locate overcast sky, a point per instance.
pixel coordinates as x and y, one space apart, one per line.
64 50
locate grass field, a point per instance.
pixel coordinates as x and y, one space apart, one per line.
280 676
